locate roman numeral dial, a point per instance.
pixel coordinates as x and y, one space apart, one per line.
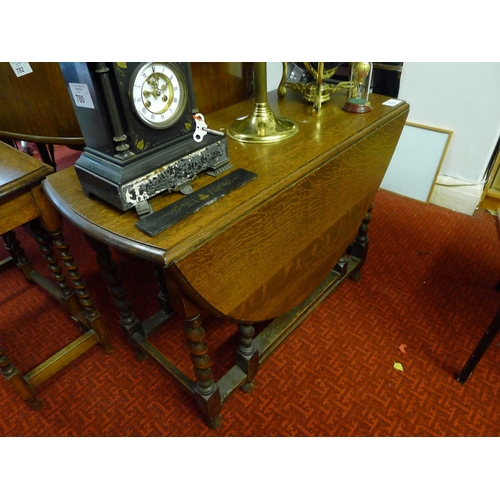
158 94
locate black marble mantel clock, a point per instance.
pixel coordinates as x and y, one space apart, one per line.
143 133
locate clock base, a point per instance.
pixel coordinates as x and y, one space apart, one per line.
125 184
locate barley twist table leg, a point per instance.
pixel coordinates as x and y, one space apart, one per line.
91 314
16 251
128 319
207 392
45 245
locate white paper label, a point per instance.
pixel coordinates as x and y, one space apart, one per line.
392 102
21 68
81 95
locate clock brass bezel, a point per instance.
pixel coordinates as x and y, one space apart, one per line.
171 120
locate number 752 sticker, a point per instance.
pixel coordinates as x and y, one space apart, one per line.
21 68
81 95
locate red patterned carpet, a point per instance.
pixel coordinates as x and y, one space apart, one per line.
428 284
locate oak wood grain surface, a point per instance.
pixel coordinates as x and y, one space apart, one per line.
262 249
20 175
18 171
218 85
37 106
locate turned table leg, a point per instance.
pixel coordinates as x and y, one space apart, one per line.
206 392
359 247
128 319
163 298
18 382
66 294
247 355
92 316
16 251
52 226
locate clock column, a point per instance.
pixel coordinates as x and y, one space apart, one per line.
119 135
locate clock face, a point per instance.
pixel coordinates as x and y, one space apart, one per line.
158 94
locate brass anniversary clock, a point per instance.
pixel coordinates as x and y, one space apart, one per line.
143 133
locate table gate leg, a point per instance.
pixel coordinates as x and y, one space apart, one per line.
247 356
207 393
128 319
163 298
359 247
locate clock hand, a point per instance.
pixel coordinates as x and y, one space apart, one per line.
155 93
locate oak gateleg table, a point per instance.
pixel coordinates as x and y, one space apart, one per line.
272 249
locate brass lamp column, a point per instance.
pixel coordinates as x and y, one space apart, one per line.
261 125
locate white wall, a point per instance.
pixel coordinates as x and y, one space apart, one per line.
459 96
464 98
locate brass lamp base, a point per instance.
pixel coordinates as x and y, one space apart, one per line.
262 126
357 106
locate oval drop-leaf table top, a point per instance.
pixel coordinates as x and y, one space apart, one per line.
262 249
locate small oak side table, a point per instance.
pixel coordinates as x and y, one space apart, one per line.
22 201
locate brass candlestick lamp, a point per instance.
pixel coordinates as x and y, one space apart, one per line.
358 100
261 126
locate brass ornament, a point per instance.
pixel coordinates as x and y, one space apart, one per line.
316 92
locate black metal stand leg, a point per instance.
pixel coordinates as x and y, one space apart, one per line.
480 349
